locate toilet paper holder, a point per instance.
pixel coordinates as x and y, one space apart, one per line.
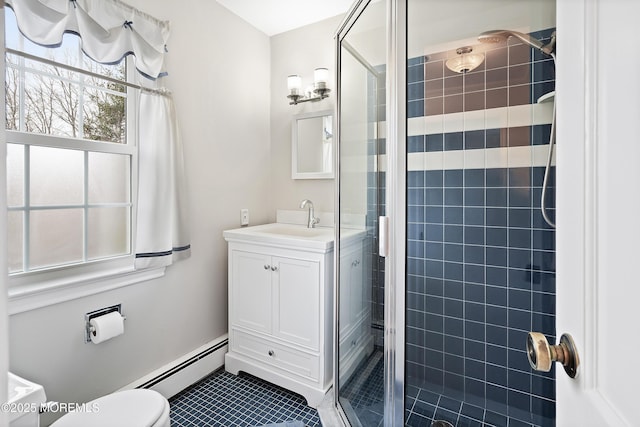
97 313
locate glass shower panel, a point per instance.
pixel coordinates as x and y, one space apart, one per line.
361 197
480 257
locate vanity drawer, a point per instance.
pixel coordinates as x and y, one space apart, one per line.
354 338
277 355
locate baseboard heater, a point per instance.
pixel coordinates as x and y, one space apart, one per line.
176 376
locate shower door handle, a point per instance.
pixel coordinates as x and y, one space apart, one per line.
383 236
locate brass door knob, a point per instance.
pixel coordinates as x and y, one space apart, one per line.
541 355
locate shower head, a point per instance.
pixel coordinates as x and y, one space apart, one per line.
497 36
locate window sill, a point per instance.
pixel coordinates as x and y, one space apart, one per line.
54 291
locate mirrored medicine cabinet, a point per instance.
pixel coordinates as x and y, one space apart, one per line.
312 145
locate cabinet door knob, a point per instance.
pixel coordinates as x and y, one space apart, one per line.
266 267
274 268
271 353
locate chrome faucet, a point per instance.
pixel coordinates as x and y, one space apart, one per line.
312 219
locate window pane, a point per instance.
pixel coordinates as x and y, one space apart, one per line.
109 178
55 237
57 176
12 95
15 175
15 236
12 34
104 114
51 104
108 233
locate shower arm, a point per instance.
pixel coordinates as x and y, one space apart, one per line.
495 36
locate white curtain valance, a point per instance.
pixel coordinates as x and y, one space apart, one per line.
109 29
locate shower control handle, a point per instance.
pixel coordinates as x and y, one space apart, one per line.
541 355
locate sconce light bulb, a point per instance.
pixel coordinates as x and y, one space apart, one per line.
321 75
320 78
294 84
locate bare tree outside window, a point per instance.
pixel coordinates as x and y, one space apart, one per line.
65 103
12 109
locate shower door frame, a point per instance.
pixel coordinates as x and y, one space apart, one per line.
350 19
396 197
395 252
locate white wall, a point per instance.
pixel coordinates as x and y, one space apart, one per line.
299 51
222 100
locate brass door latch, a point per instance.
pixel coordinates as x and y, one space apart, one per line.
541 355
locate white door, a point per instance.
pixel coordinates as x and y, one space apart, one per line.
598 200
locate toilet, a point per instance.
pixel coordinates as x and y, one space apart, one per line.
131 408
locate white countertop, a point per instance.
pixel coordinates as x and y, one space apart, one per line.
292 236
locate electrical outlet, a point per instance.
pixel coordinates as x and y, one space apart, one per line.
244 216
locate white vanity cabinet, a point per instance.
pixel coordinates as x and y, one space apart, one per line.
276 295
281 310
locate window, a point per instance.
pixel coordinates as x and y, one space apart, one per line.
71 157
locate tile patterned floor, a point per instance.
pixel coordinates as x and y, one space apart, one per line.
226 400
422 406
365 391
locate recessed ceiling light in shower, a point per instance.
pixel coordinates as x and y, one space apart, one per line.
465 60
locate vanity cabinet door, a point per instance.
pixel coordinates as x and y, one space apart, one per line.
251 291
352 293
358 301
297 301
345 319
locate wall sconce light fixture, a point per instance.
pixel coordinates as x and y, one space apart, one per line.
318 92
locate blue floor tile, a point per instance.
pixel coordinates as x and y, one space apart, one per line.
227 400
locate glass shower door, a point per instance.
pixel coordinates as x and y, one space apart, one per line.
360 277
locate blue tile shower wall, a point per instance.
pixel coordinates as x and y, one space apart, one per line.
481 259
